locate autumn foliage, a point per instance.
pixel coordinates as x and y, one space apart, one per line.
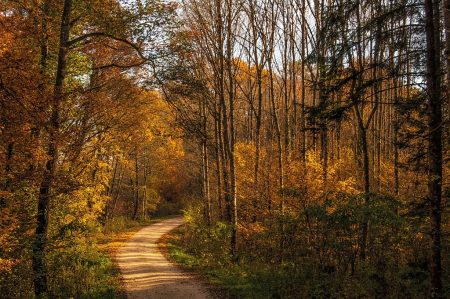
307 143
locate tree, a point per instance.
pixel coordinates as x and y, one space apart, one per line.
434 137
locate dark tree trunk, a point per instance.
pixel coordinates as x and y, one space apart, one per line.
39 271
434 115
230 144
302 117
364 150
258 70
218 161
447 56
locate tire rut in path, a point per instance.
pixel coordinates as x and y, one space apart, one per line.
148 274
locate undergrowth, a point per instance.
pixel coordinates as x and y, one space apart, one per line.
79 262
262 274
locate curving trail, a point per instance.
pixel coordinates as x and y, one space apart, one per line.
148 274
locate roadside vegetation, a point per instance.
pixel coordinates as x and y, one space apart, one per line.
200 248
83 266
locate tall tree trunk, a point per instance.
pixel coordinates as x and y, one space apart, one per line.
321 92
205 162
303 118
293 77
285 63
364 148
231 142
136 186
144 195
110 188
258 70
40 241
434 115
276 122
447 44
115 198
227 131
217 149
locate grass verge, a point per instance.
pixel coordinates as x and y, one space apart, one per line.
228 281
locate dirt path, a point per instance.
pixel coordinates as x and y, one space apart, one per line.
148 274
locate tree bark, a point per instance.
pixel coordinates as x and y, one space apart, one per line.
302 117
434 136
40 241
447 44
231 142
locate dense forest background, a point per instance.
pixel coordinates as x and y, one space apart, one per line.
307 141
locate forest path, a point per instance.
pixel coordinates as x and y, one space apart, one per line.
148 274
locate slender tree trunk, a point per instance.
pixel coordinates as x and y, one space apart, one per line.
217 149
110 188
223 127
286 121
231 142
321 92
205 162
303 118
447 57
293 74
274 108
144 195
258 70
396 127
136 186
118 192
364 148
227 134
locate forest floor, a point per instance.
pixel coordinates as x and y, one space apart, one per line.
147 273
